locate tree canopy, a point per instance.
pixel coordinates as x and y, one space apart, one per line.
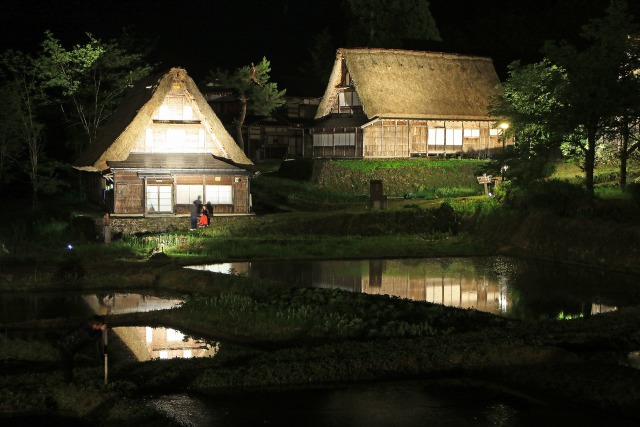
573 97
388 23
251 85
88 81
78 87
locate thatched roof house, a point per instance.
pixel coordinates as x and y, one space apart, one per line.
129 123
164 147
412 94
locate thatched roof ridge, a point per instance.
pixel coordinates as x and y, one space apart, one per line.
400 83
177 162
118 137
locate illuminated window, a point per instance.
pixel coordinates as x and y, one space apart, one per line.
349 99
472 133
149 334
440 136
174 336
219 194
164 354
337 139
186 194
159 198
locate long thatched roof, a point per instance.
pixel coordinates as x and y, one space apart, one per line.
412 84
116 140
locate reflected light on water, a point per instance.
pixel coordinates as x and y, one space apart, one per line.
419 282
502 301
602 308
128 303
633 359
498 285
148 343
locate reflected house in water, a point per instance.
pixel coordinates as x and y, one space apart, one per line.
149 343
437 280
454 291
119 303
496 285
145 342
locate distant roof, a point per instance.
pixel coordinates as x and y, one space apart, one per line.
338 121
118 137
175 162
401 83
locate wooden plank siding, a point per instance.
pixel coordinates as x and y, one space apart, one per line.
240 195
129 191
129 197
335 149
410 138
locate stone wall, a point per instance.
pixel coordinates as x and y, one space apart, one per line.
145 225
152 225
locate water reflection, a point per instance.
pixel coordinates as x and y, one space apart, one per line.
398 404
25 307
148 343
498 285
121 303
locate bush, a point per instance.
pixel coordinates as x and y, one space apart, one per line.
300 169
561 197
634 191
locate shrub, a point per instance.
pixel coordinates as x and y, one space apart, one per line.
560 197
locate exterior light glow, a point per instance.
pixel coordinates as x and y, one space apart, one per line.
504 126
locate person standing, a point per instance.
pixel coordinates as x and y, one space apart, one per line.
193 212
209 212
204 218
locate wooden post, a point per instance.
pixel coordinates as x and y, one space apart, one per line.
106 356
107 228
485 180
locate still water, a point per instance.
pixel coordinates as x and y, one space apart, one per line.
510 287
17 307
387 404
499 285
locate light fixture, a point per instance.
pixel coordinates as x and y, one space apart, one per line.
504 126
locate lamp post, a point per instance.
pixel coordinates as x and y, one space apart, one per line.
504 126
503 170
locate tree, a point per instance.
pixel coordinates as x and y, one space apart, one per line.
598 78
530 102
576 96
322 55
88 81
388 23
23 78
10 146
250 84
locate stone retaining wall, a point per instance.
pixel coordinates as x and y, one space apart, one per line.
151 225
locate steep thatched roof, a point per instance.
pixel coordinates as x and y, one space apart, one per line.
174 162
118 137
411 84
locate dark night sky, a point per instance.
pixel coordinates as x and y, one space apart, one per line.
205 34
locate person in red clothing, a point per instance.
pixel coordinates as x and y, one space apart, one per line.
204 217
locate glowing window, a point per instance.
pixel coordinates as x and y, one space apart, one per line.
173 335
186 194
219 194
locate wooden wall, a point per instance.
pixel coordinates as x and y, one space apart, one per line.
394 138
129 192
